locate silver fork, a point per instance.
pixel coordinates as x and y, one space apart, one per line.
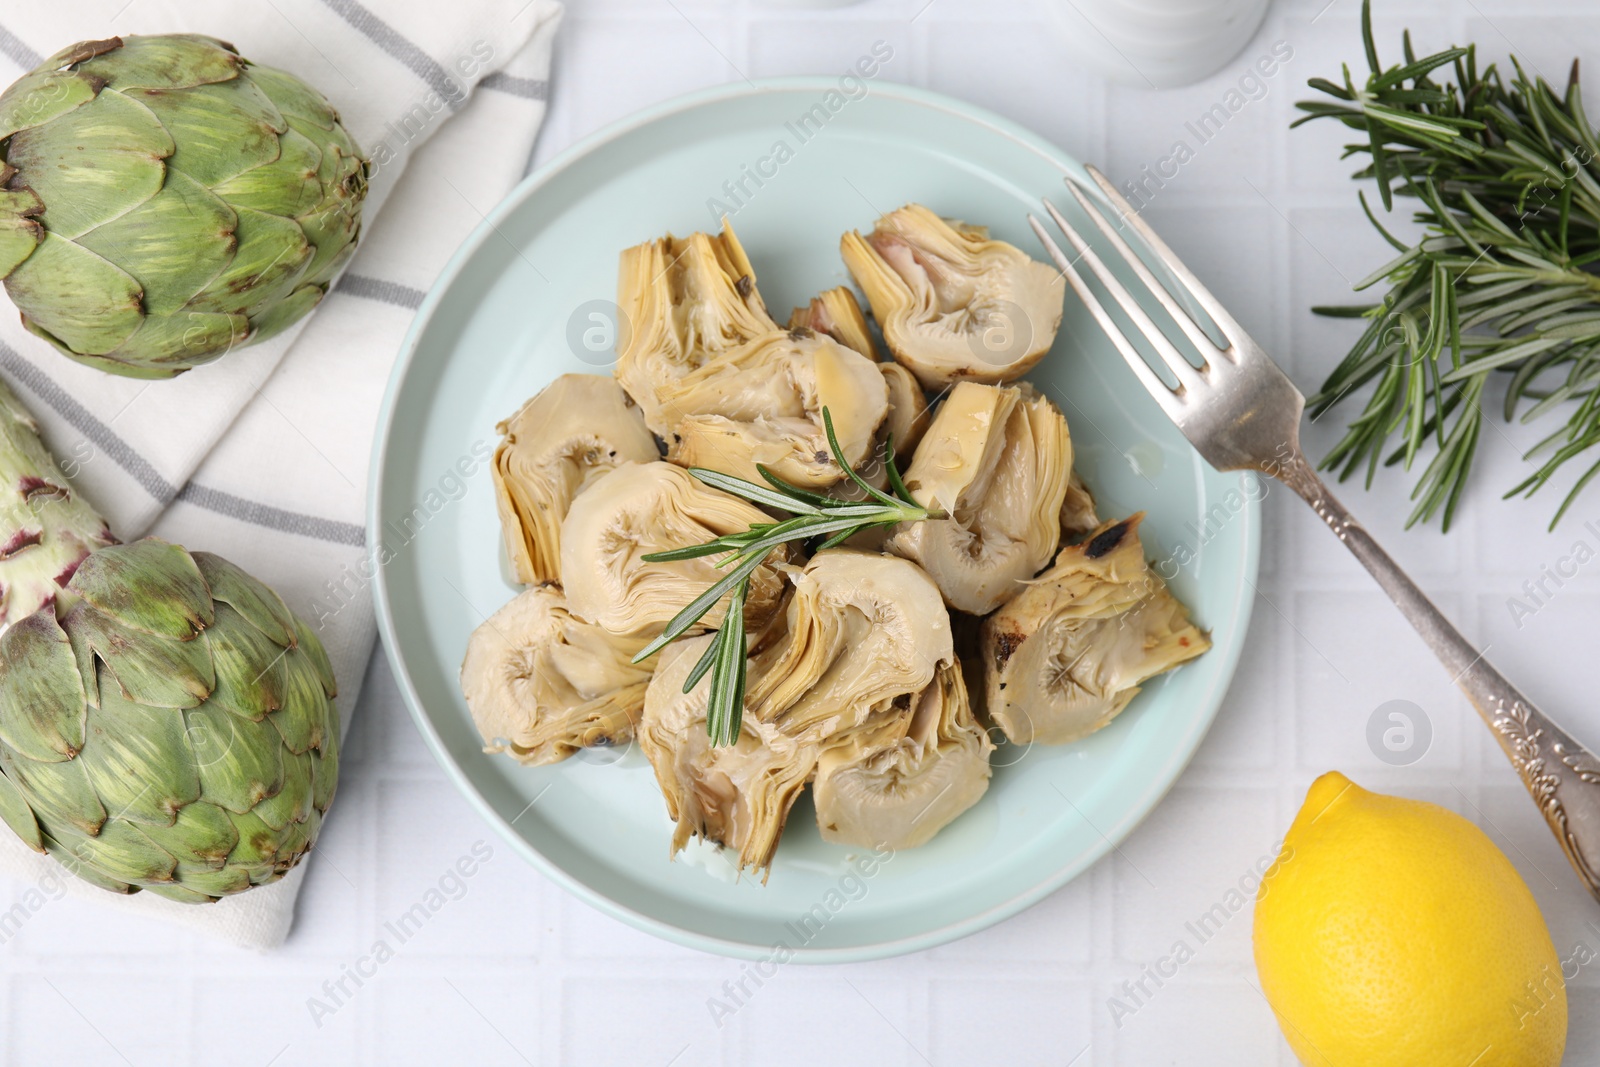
1241 412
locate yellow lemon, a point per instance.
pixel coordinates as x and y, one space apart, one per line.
1393 933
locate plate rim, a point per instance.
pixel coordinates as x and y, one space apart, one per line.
1160 782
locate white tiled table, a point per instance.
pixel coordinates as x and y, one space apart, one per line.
515 971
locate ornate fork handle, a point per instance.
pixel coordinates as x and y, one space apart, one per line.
1562 776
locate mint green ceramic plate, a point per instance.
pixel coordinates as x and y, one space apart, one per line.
508 314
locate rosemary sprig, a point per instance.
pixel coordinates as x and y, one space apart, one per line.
811 515
1507 176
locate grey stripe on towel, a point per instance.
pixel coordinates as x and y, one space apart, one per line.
122 454
389 39
257 514
84 421
532 88
11 45
378 289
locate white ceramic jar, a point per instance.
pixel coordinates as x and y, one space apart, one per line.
1156 43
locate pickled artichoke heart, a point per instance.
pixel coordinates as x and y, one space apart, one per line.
953 304
997 459
542 684
860 629
163 201
1066 654
166 724
641 508
897 781
738 795
762 404
685 301
577 428
836 313
1078 516
48 529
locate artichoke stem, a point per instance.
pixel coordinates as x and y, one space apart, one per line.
46 528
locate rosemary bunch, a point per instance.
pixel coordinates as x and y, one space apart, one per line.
1502 282
812 515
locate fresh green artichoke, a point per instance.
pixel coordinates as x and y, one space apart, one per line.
163 201
166 723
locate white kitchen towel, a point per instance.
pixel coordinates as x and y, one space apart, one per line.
262 456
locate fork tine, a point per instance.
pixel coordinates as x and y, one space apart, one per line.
1188 377
1177 311
1200 294
1171 402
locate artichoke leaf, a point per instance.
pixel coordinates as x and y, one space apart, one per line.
167 345
256 602
136 759
203 835
19 234
294 98
123 136
272 256
239 766
292 803
150 585
41 692
251 675
209 882
325 767
60 794
176 892
286 187
220 133
17 815
311 646
173 244
118 852
169 61
266 853
154 670
330 230
302 718
79 301
75 858
42 95
289 311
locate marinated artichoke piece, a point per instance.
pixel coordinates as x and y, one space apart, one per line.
641 508
906 774
1078 515
686 301
836 313
722 383
997 460
954 305
762 403
862 635
909 416
738 795
1066 654
542 684
860 629
577 428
